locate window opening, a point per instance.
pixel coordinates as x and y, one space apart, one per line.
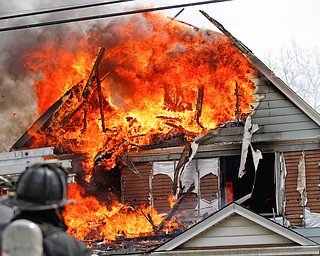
260 183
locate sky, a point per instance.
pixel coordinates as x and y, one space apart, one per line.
264 26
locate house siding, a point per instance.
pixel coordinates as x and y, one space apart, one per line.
236 231
283 127
277 116
278 119
155 190
135 189
294 210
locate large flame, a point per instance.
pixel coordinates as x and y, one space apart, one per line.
152 71
99 221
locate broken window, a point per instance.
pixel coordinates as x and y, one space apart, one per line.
255 189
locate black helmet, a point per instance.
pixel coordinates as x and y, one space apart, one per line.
41 186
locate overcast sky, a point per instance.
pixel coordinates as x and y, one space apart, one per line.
262 25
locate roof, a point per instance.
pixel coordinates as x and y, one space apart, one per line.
259 65
215 225
313 233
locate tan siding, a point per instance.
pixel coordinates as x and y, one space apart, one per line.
237 221
236 231
282 119
236 241
278 116
239 231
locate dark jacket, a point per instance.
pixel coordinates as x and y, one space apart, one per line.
58 243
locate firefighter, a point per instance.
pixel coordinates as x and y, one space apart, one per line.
22 237
40 197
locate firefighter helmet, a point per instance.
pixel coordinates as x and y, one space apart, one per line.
22 237
41 186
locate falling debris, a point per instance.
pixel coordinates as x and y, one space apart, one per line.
249 130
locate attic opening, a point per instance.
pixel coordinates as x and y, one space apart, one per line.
260 183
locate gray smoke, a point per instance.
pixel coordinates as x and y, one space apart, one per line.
18 100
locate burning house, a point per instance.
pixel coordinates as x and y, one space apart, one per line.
167 124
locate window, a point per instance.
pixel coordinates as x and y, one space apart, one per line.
255 189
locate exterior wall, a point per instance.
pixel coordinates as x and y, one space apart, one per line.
135 190
236 231
156 189
294 210
278 119
283 127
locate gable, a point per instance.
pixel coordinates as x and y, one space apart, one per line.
278 118
233 226
236 231
280 113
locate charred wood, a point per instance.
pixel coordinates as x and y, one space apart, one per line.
84 120
175 16
176 206
244 49
237 94
88 89
199 105
131 166
40 122
168 118
92 77
100 97
154 227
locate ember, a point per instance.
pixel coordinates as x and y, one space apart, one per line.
153 78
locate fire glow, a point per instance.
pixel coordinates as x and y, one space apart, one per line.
151 74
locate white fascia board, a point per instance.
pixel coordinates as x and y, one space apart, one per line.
263 251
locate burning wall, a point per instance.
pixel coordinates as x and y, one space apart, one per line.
150 78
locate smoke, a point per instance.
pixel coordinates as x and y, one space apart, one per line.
17 96
18 100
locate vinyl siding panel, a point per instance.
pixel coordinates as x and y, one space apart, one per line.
278 118
236 231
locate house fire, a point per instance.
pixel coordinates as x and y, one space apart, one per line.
166 124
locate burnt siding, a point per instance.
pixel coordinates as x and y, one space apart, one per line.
161 189
293 208
209 187
135 190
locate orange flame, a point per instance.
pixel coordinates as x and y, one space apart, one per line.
98 221
157 68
